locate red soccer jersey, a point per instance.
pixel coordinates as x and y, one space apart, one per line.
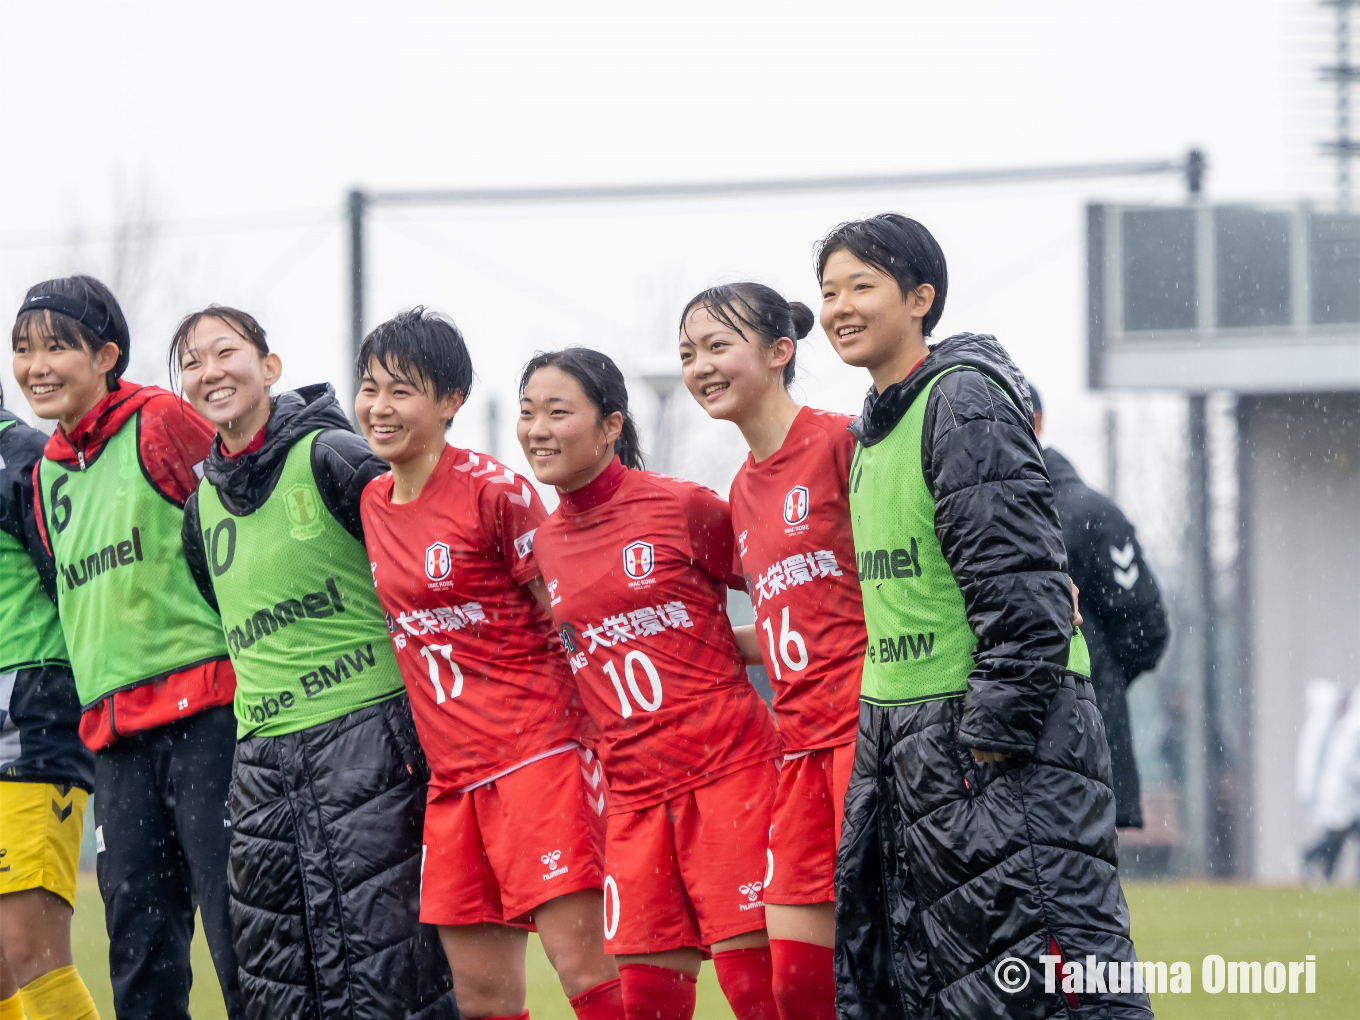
791 514
489 687
639 586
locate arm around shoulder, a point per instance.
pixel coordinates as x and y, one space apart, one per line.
343 465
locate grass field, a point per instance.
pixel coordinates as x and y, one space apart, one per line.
1171 921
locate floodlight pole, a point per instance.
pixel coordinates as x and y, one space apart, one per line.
357 201
1343 73
1191 167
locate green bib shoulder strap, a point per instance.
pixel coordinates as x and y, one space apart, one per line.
128 605
304 628
30 632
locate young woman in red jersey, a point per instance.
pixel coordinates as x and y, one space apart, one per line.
637 566
514 827
791 516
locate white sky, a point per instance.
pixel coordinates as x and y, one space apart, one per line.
258 117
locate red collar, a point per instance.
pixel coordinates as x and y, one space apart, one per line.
98 425
597 491
254 446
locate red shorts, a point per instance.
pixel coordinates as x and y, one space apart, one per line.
689 872
808 811
494 853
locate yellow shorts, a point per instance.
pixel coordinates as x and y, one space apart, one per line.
40 829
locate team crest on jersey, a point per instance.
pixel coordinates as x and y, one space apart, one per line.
438 562
796 505
638 559
303 508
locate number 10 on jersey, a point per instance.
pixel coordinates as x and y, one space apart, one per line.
631 662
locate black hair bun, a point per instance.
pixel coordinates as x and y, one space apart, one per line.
803 319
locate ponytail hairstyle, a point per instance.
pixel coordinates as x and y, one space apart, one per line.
604 387
758 308
241 323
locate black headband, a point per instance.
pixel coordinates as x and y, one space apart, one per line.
97 318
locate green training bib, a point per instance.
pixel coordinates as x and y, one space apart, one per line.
129 608
30 631
305 631
920 645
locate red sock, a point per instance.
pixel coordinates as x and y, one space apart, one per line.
804 980
656 993
744 975
603 1002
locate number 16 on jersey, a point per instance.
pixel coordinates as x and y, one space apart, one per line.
788 639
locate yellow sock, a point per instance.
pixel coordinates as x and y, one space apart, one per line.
11 1008
59 995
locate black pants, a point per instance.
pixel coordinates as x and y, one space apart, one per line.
325 873
160 807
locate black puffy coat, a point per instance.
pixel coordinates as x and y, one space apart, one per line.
1124 621
324 873
948 869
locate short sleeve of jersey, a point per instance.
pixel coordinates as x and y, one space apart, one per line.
510 515
710 536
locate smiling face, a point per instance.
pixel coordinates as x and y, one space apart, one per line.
399 416
869 321
560 429
226 378
729 375
61 381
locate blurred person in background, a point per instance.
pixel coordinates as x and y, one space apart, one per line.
328 783
1123 618
791 516
150 662
46 773
979 823
1329 756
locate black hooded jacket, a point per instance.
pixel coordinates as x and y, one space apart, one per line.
955 878
998 529
342 465
1124 620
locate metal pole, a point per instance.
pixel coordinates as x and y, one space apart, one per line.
1195 166
1343 102
710 189
357 203
1112 452
1198 620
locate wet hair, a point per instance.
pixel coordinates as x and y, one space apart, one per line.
604 387
241 323
423 347
757 308
1034 400
900 247
75 311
